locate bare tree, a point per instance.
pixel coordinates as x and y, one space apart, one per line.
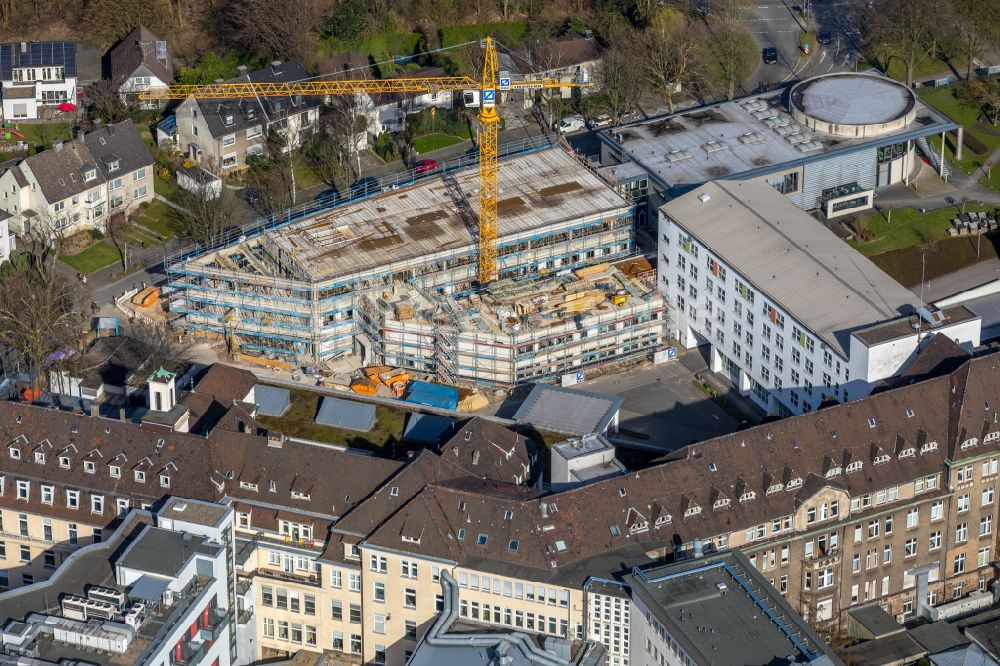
274 29
39 315
619 75
119 224
729 13
164 346
904 29
673 54
977 26
206 213
104 102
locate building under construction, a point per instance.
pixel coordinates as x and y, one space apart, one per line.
391 279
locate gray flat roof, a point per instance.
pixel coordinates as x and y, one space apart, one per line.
793 259
164 552
271 400
437 214
873 618
762 149
709 593
568 411
346 414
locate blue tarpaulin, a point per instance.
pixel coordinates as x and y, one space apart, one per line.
432 395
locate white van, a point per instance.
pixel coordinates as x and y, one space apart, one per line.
571 124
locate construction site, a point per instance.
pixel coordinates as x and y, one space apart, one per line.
392 279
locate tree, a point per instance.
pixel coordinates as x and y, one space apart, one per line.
272 29
977 26
735 58
620 75
904 29
673 55
210 67
104 102
163 344
348 20
40 311
107 21
119 224
206 215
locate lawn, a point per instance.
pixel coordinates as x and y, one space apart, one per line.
943 257
429 142
944 100
94 258
992 181
305 176
909 227
165 189
300 421
41 135
160 218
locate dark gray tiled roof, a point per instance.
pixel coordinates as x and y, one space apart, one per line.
139 50
34 54
259 110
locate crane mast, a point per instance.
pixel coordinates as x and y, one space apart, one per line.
489 122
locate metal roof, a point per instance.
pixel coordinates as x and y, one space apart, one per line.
37 54
272 401
148 588
568 411
791 258
346 414
429 428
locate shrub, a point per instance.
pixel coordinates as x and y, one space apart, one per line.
511 34
96 234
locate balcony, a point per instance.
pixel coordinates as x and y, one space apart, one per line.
305 579
192 652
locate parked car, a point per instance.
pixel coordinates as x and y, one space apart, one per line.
328 197
823 37
572 123
770 55
365 187
425 166
602 120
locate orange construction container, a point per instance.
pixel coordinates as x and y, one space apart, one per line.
147 297
31 395
364 387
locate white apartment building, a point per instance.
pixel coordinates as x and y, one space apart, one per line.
792 314
36 75
76 185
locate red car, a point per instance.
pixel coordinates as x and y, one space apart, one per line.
425 166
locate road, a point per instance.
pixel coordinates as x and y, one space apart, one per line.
779 23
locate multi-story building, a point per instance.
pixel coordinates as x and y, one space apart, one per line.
160 590
824 156
221 134
791 314
716 611
889 499
393 279
138 62
36 75
76 185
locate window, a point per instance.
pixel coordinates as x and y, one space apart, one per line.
139 174
23 489
268 627
410 632
229 160
354 582
96 504
115 471
910 548
309 604
963 503
355 643
934 541
164 481
912 518
937 511
983 557
378 591
228 140
266 595
47 494
378 563
139 192
338 641
987 498
378 619
824 579
335 578
961 532
959 564
985 526
354 614
410 598
73 499
25 554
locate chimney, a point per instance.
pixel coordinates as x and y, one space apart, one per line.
111 129
276 66
241 70
544 506
79 134
24 47
95 409
57 145
97 124
121 414
275 440
698 549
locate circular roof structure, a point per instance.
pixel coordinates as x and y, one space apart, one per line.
852 105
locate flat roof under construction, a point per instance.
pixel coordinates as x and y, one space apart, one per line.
537 190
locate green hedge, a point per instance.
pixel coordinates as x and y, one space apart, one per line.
510 34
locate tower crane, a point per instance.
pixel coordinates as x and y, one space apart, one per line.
484 93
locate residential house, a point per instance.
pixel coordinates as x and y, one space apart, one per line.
138 62
221 134
389 110
35 75
108 367
573 58
7 238
76 184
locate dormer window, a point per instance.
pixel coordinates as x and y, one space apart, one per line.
793 484
251 113
394 491
246 485
89 467
272 487
969 443
89 174
39 457
775 488
854 466
116 471
15 453
747 496
140 476
692 511
721 503
928 447
871 423
908 453
64 462
300 496
833 471
665 519
884 458
164 481
228 119
112 164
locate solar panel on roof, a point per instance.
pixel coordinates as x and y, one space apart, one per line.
271 401
346 414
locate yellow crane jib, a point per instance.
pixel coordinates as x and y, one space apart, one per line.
484 93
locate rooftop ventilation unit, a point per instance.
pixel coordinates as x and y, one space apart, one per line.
752 137
785 130
797 137
764 113
107 594
806 146
715 147
678 155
